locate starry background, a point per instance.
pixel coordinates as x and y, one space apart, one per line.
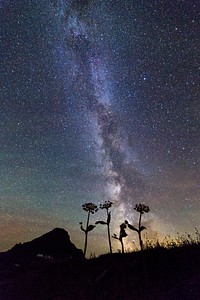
99 101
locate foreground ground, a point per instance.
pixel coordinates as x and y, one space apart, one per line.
163 274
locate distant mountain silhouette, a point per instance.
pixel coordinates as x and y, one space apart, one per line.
55 244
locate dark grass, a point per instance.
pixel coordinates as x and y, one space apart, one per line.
157 273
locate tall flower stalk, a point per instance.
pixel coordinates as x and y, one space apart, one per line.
106 205
90 208
122 234
141 208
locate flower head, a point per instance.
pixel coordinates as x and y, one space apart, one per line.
106 205
90 207
141 208
122 233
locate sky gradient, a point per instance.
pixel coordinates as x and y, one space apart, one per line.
99 101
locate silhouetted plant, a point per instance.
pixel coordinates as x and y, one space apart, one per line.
197 236
106 205
141 208
122 234
91 208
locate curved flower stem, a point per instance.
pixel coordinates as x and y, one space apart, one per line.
109 240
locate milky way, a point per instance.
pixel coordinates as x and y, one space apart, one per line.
92 66
99 101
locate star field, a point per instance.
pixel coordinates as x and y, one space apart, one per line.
99 101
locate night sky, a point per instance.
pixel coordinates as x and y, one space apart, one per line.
99 100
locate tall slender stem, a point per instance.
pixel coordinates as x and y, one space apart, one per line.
139 232
122 245
109 240
86 233
140 218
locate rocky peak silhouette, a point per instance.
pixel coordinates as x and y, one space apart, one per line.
55 243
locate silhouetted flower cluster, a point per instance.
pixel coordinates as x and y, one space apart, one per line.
123 233
141 208
106 205
90 207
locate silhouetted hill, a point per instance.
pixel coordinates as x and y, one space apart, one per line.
55 244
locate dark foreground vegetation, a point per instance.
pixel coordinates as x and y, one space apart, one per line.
156 273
